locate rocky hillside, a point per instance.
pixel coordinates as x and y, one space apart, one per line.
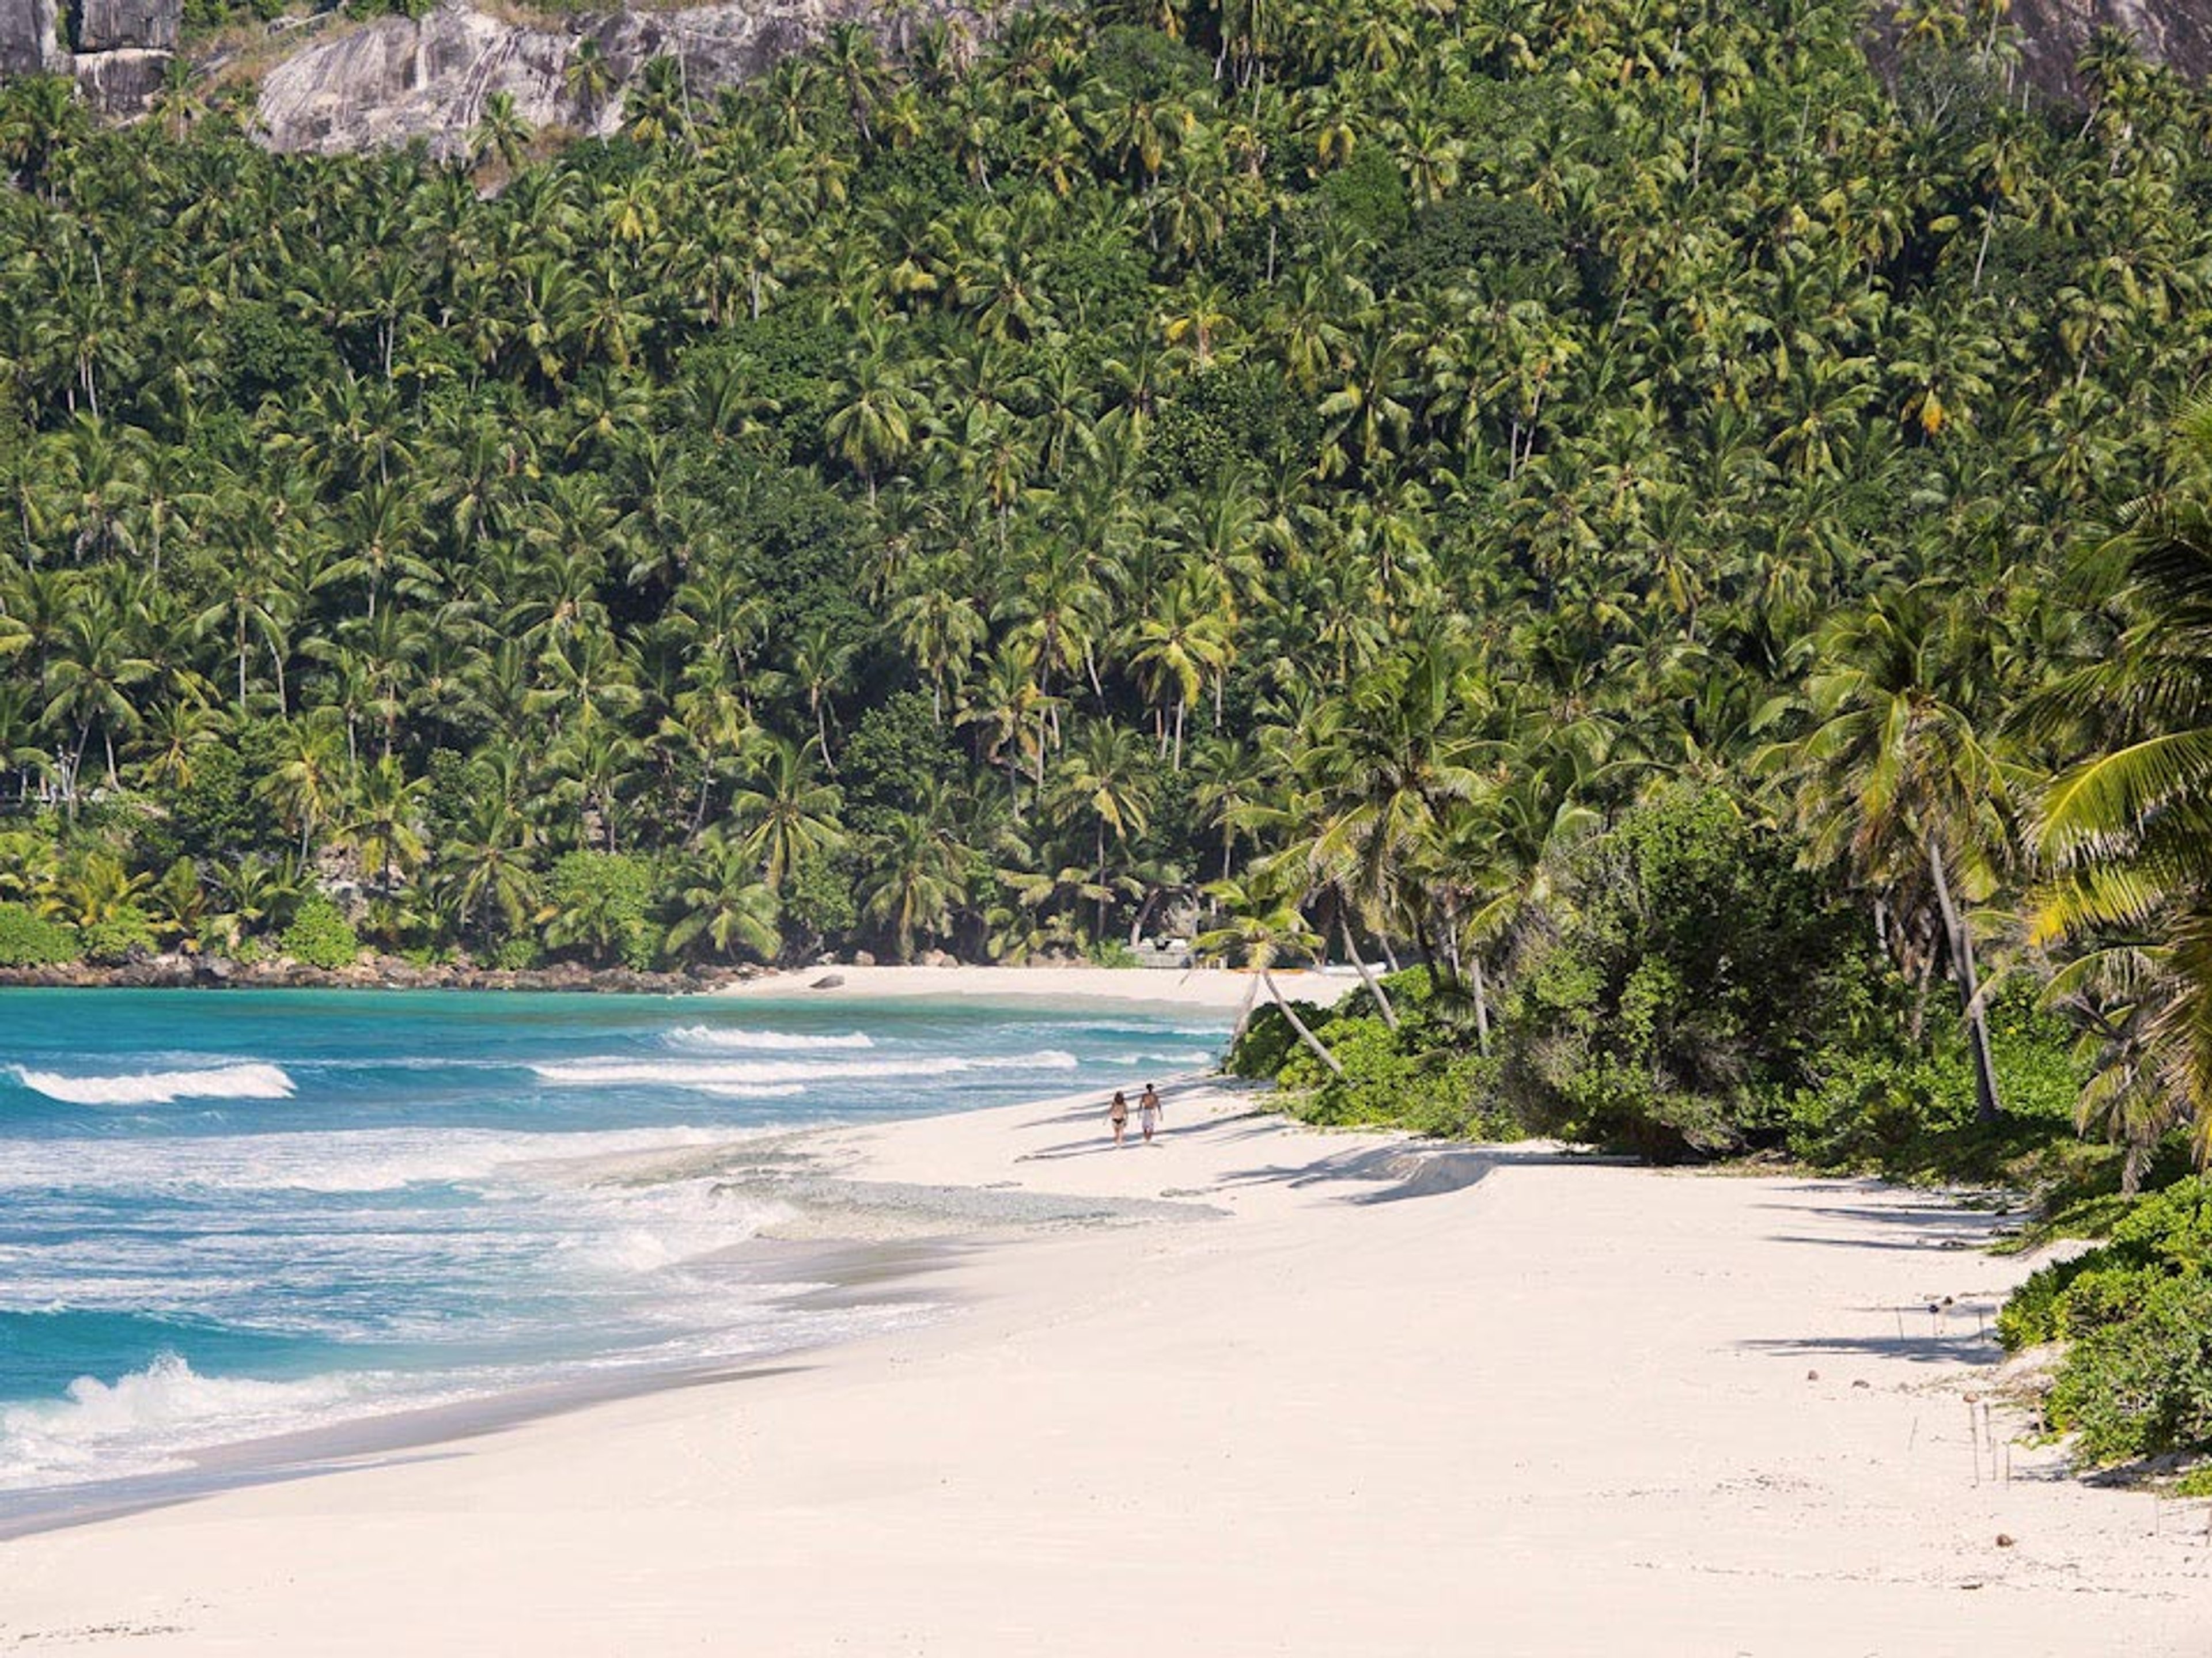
117 50
2052 35
398 79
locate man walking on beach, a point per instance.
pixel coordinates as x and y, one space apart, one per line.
1148 1112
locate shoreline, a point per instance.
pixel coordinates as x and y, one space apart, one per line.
1073 984
1589 1407
1214 988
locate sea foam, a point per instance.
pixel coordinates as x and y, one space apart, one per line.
145 1422
223 1082
777 1041
719 1074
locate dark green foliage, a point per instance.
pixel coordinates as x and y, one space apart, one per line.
268 352
897 756
1513 235
320 936
1144 65
1367 197
220 813
1226 418
1269 1040
1909 1110
123 935
1694 974
29 939
599 906
820 903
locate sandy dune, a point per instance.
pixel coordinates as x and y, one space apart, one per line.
1383 1402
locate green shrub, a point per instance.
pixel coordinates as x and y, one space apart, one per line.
1111 952
1692 979
320 935
2168 1234
1398 1079
125 932
2143 1386
29 939
601 903
516 954
1269 1040
2137 1380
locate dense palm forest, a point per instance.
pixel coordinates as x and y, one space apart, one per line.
1340 478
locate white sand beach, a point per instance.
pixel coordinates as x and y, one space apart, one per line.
1214 988
1385 1401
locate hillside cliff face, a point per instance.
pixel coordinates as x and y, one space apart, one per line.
400 79
2052 34
123 47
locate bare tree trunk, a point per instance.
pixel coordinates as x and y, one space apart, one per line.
1481 988
1297 1025
1244 1012
1987 1106
1366 975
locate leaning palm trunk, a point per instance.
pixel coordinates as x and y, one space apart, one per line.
1366 974
1987 1106
1297 1025
1245 1013
1480 987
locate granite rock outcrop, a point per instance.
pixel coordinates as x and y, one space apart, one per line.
27 45
2052 35
401 79
122 48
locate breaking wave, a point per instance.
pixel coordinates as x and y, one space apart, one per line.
225 1082
780 1041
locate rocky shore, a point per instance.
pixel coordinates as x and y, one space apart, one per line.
178 972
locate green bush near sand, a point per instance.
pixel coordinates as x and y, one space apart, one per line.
1686 991
29 939
2137 1380
1427 1076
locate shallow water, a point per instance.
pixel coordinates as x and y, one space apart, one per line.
229 1216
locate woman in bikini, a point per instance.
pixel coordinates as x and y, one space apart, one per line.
1118 1114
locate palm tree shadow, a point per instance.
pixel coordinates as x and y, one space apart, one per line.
1395 1172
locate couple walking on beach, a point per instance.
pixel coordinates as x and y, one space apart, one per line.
1148 1113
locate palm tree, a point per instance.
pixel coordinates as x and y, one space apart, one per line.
1261 925
485 863
589 79
725 901
2127 832
501 131
380 819
783 814
1897 781
915 877
1104 778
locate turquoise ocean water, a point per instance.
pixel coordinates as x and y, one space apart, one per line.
229 1216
